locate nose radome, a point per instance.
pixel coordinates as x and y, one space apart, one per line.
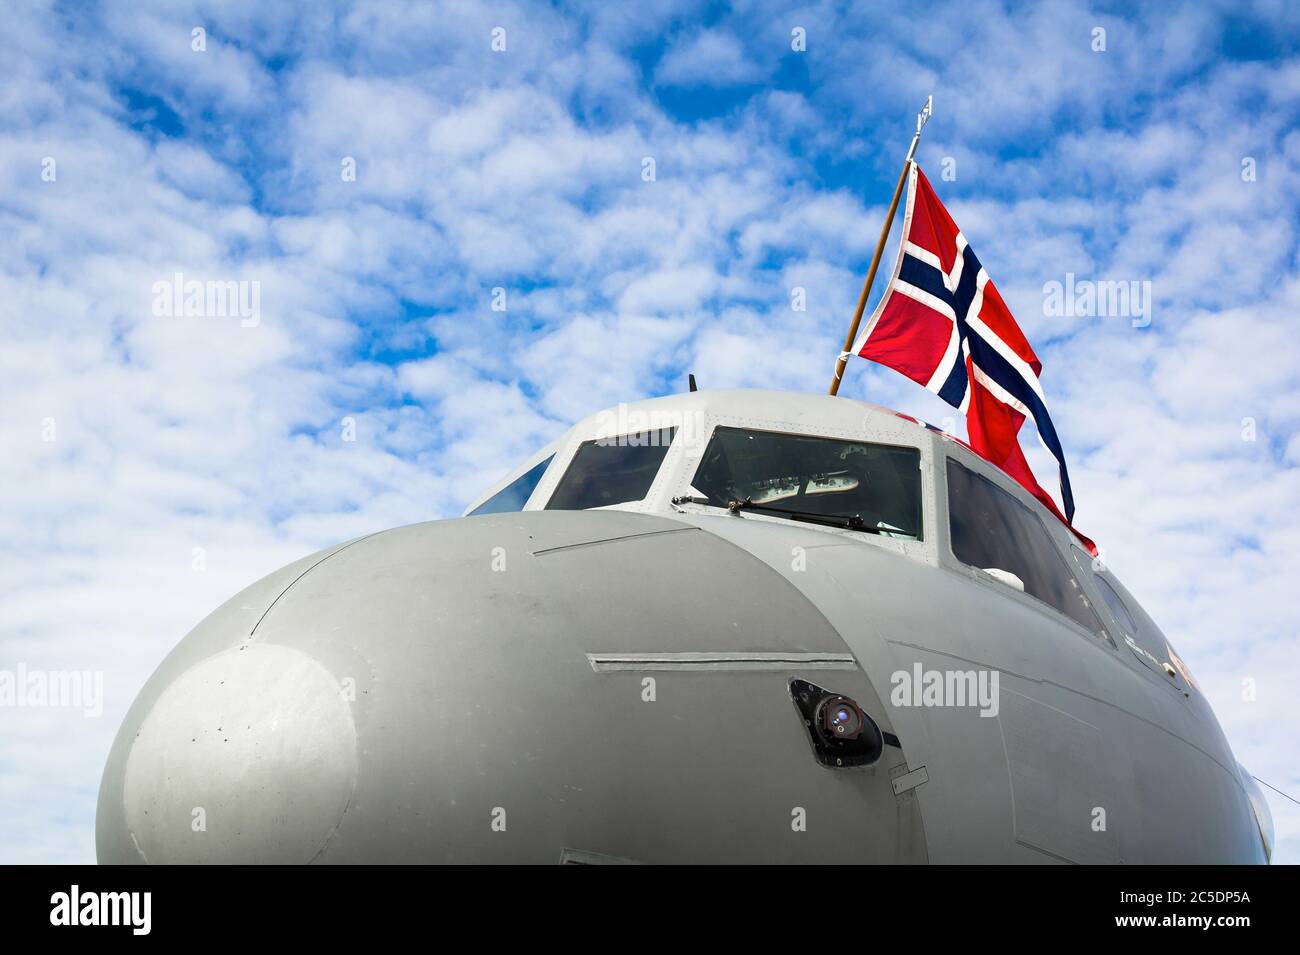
429 694
192 774
244 745
249 756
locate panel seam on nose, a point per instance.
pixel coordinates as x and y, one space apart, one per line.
613 540
722 660
337 550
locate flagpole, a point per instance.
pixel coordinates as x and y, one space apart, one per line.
921 119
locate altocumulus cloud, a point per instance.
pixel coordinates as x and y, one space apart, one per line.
378 170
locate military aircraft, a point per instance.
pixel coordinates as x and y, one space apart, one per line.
721 626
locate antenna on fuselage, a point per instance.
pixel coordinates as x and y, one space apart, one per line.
690 381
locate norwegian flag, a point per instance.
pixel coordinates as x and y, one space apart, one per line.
942 323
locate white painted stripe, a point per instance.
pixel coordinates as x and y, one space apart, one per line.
863 338
1000 393
959 263
944 368
977 300
925 255
964 408
925 298
1021 366
950 354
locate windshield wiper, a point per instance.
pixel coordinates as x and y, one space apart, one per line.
850 522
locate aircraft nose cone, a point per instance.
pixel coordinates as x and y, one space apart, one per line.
476 690
249 756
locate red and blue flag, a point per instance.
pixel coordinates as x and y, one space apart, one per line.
942 323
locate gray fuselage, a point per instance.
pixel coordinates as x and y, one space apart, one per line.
614 684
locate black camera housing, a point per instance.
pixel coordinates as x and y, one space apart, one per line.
841 732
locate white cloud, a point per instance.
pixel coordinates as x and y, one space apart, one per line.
710 58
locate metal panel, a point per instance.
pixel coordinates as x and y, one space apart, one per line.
1060 781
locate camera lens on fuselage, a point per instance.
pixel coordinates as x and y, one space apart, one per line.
841 719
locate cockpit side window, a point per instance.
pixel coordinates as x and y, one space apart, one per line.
1144 637
1115 604
611 471
514 495
993 531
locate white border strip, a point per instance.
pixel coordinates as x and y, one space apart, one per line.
861 343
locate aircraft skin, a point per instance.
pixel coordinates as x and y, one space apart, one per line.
615 685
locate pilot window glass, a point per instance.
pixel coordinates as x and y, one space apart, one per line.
1141 633
1116 605
611 471
807 477
993 531
514 495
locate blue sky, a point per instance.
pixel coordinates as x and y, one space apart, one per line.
189 456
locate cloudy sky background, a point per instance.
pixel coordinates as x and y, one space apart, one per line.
191 456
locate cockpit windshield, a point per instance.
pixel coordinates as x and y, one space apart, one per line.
876 484
611 471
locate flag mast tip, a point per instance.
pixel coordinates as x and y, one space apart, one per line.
922 118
